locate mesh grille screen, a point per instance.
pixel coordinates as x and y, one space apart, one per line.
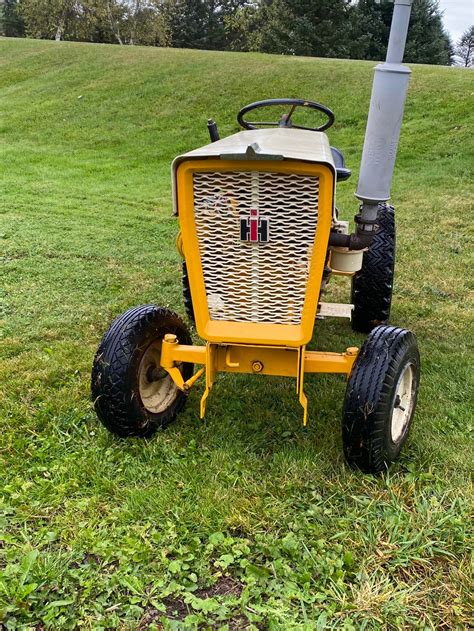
256 282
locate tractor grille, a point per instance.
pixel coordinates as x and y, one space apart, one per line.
256 281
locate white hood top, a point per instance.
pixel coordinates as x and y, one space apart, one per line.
262 144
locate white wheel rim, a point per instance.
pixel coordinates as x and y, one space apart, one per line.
157 389
403 402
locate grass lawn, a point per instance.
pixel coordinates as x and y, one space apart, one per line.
244 520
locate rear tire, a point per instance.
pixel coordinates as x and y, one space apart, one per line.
132 395
372 285
187 299
380 399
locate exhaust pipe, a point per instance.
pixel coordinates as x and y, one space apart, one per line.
382 134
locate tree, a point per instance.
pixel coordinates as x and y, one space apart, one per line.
47 19
11 22
200 23
324 28
121 21
465 47
338 28
243 26
295 27
427 41
371 24
140 22
188 23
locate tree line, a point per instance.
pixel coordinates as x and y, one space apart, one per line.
320 28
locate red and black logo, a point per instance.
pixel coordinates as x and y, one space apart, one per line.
254 228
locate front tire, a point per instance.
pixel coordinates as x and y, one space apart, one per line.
132 394
380 399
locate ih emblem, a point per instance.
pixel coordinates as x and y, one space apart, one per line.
254 228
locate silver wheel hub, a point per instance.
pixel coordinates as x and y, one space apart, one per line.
157 389
403 402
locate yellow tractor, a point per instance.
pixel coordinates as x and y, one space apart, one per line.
260 237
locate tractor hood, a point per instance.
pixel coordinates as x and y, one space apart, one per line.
262 144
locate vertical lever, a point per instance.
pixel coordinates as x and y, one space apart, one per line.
213 131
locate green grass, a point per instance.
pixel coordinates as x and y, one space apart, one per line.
244 519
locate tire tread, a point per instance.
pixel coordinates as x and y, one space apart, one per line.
372 286
111 392
369 395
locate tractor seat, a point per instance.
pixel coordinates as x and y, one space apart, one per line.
341 172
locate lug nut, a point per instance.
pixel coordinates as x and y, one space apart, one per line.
257 366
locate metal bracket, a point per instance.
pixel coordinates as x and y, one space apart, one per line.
168 346
210 369
335 309
253 152
303 399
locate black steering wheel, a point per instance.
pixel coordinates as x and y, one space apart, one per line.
285 120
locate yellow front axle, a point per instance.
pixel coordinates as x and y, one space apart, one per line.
252 359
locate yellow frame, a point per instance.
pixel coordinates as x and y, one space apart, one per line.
251 359
218 331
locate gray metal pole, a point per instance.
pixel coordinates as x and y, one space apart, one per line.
398 31
384 121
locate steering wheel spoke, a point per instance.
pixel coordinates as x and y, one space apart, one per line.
285 120
262 123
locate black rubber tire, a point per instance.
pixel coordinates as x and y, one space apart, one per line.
114 381
370 398
372 286
187 299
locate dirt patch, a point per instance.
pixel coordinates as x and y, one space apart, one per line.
152 615
225 586
239 623
176 608
87 559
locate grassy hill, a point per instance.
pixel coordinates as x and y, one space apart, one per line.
245 520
